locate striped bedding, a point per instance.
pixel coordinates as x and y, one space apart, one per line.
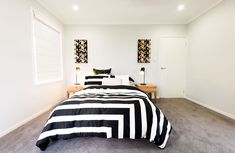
108 112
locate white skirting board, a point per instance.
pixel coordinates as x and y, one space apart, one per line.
212 108
26 120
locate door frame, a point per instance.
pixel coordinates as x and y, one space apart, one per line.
159 55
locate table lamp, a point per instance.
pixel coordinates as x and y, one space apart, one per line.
77 71
142 72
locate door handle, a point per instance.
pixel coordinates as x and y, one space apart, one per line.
163 68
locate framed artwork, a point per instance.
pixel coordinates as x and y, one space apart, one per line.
144 50
81 53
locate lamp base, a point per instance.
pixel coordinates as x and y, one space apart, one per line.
77 84
143 84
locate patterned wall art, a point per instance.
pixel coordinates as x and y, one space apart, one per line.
144 50
81 53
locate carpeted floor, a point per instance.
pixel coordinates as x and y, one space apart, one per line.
195 130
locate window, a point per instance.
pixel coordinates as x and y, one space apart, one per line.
47 52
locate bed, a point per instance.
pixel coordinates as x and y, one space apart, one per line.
107 111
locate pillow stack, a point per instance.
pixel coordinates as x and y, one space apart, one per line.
95 79
104 77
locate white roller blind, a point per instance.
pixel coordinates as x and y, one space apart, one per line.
47 52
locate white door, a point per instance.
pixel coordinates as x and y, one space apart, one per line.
172 58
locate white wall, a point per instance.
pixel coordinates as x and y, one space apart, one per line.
211 68
20 98
115 46
210 78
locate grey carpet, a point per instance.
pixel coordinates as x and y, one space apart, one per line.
195 130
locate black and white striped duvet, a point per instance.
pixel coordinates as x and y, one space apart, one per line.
109 112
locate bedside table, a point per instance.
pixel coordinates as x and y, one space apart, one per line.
73 89
149 88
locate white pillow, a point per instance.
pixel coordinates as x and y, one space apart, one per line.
124 78
111 81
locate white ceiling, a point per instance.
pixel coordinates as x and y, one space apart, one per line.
127 11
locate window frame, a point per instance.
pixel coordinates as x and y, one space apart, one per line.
36 16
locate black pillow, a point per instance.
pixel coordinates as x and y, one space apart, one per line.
131 79
102 71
